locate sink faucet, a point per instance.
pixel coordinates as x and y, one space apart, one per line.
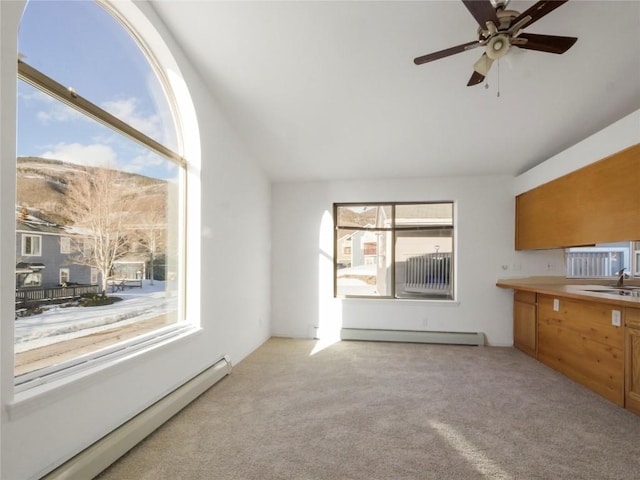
621 276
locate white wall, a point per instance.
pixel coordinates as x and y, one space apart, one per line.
37 436
303 247
612 139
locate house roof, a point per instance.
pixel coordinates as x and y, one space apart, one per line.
329 90
28 221
39 227
29 267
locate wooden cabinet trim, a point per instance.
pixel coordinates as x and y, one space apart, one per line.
525 297
632 370
632 317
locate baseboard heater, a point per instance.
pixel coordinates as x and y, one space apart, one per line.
94 459
413 336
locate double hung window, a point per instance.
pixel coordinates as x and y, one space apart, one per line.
394 250
64 276
31 245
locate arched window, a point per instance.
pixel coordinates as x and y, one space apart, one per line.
101 181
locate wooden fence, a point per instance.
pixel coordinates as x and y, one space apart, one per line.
30 296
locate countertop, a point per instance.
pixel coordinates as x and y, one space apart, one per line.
571 288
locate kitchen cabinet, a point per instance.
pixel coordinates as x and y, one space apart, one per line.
525 322
632 359
596 204
579 339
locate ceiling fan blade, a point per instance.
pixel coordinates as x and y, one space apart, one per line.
545 43
483 11
475 79
538 10
483 65
446 52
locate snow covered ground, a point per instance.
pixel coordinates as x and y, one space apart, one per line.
351 280
58 323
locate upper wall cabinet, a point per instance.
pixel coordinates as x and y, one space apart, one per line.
599 203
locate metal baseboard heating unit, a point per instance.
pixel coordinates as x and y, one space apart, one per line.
413 336
94 459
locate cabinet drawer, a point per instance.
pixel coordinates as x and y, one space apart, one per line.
524 297
632 317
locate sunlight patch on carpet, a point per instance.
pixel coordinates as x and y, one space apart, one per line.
477 459
323 343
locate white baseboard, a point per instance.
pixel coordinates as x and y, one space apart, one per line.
94 459
413 336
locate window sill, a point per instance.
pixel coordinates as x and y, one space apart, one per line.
40 391
429 301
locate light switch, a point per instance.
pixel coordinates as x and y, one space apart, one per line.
615 318
556 305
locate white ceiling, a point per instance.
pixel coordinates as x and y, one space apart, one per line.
329 90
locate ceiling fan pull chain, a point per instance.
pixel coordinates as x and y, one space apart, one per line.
498 94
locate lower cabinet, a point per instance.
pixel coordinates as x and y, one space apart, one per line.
580 340
525 331
632 359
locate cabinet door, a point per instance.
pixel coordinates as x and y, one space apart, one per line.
632 360
525 330
598 203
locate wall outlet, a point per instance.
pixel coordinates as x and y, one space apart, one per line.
556 305
615 318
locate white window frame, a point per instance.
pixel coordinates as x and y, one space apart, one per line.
36 275
65 245
64 271
46 379
26 253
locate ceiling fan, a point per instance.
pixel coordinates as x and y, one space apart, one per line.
499 29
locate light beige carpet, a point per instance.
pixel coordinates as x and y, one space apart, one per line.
365 410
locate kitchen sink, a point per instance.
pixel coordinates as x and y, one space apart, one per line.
624 291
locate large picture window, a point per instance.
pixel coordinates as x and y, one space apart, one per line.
394 250
101 180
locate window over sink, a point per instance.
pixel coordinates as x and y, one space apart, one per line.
603 260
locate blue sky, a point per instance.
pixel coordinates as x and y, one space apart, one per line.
80 45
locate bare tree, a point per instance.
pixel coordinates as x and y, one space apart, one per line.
98 205
151 229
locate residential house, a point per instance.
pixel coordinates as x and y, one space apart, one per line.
45 256
357 249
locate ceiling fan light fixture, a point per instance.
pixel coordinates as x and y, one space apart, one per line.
483 65
498 29
498 46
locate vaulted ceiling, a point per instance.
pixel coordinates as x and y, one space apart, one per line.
329 90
